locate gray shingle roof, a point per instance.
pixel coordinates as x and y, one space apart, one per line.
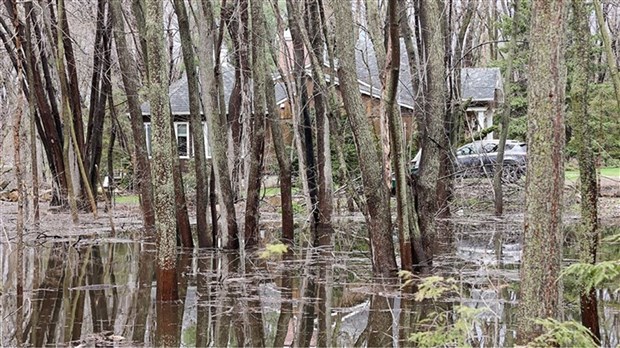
480 84
367 71
179 92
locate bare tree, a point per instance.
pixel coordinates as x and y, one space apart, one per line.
205 239
131 78
257 125
587 236
163 154
213 109
506 114
434 140
609 53
542 239
376 190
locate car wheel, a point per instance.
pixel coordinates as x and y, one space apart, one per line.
511 173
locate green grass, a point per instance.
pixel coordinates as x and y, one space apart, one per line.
129 199
612 172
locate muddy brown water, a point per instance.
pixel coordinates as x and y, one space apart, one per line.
98 289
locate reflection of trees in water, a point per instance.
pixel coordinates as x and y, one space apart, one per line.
234 301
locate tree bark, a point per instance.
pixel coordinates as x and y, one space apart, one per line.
376 191
323 149
433 138
204 237
257 125
609 53
216 126
66 120
100 89
587 235
163 153
506 114
129 74
32 120
542 239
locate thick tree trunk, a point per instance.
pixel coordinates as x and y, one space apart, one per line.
409 232
433 137
542 240
215 124
587 236
129 73
204 237
376 190
257 125
163 153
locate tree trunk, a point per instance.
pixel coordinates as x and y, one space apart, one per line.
323 164
216 126
433 138
542 240
609 53
33 136
47 117
378 36
257 125
587 236
66 120
163 153
376 190
129 73
506 114
100 89
21 199
204 237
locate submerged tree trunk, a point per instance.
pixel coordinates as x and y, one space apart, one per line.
587 236
204 237
376 190
215 124
433 137
323 149
257 125
129 73
163 154
542 239
506 114
284 174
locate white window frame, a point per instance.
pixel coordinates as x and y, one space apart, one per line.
148 130
188 136
205 132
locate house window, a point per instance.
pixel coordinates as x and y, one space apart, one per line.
147 131
206 139
181 129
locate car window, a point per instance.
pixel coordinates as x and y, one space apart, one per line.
488 148
465 150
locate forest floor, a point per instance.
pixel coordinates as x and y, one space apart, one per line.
473 200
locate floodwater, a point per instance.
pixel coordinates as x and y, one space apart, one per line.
101 292
84 285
